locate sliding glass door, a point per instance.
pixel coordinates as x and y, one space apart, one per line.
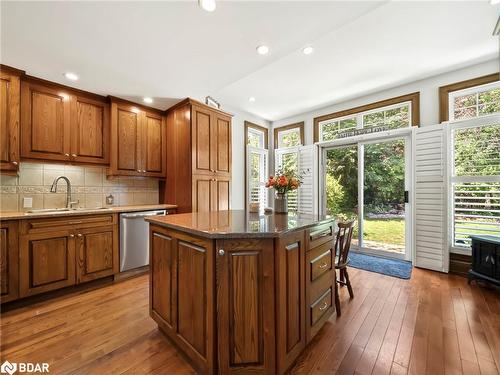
369 181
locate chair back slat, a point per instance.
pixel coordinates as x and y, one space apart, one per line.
343 241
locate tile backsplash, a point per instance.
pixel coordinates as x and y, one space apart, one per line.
89 186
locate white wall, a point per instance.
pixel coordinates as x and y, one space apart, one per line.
429 97
238 154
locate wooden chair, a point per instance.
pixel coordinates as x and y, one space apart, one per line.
342 246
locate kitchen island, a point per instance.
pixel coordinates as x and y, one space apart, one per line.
240 292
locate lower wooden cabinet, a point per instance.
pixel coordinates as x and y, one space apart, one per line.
182 299
210 193
55 253
245 306
9 261
47 262
97 253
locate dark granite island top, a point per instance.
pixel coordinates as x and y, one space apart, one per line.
241 293
238 223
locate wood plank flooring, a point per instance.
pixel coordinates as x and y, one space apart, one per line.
431 324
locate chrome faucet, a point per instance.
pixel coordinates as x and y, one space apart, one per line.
53 189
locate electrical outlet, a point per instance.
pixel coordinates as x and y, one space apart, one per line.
27 202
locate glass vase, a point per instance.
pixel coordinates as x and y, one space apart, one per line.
281 203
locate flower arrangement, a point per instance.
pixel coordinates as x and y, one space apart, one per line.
284 181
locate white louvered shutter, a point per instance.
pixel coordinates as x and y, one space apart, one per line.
308 168
431 238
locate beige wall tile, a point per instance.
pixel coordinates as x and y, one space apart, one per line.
93 200
52 200
6 180
23 166
9 202
93 178
37 201
49 175
31 177
126 199
49 166
76 177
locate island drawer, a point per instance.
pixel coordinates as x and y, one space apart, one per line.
321 307
320 234
320 261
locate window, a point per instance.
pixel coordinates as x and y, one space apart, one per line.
463 98
399 112
256 142
474 102
287 159
475 181
289 136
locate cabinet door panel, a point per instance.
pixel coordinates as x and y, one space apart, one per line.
221 194
192 291
202 140
9 261
47 262
223 146
89 131
245 299
290 265
10 97
153 149
163 277
127 138
97 252
202 193
45 123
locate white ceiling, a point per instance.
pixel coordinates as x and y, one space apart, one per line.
171 50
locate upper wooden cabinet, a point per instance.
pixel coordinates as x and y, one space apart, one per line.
138 144
58 123
198 157
9 120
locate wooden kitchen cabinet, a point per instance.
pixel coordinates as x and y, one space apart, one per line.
96 253
245 306
62 251
47 262
63 124
182 292
198 157
290 295
10 97
9 261
138 144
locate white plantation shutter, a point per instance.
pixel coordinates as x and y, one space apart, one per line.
431 239
257 192
308 169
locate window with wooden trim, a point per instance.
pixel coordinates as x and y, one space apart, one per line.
469 99
289 135
256 165
394 113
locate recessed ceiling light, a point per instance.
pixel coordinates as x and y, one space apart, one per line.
208 5
147 100
251 99
262 50
307 50
71 76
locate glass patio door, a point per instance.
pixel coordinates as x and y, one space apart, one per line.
369 181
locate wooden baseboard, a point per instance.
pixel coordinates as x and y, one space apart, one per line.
460 264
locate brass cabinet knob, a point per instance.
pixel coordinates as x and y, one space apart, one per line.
221 252
66 154
139 170
74 155
15 162
72 235
79 234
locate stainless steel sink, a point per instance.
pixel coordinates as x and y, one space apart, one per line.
62 210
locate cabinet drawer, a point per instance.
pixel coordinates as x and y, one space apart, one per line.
322 306
67 222
321 234
320 260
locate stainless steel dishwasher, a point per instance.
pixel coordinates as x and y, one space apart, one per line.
134 239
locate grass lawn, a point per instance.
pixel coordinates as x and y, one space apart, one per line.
390 231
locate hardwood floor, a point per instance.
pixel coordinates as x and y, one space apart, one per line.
431 324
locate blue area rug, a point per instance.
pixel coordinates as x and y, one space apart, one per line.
390 267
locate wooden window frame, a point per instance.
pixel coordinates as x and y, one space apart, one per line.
251 125
299 125
444 91
413 98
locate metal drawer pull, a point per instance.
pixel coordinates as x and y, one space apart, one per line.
315 236
325 305
323 265
74 222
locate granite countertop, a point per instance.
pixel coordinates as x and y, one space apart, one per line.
18 215
238 223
